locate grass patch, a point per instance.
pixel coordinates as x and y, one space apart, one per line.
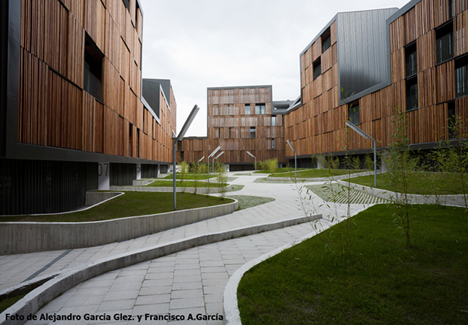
247 201
160 183
191 176
130 204
424 183
313 173
235 188
8 302
277 170
378 281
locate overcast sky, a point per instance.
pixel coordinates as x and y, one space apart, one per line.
218 43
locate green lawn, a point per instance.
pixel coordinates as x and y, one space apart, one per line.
423 183
277 170
378 282
8 302
191 176
247 201
313 173
161 183
130 204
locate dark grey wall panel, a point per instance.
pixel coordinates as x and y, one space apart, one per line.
28 187
363 51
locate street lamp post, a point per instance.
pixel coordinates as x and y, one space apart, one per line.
217 158
366 136
211 154
255 166
187 124
295 159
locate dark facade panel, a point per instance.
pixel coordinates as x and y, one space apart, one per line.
122 174
29 187
363 51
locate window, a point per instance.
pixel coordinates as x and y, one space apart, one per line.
273 120
272 143
451 8
326 40
411 94
444 43
230 133
247 109
92 76
260 109
317 68
144 121
411 60
451 121
252 133
179 145
230 110
353 113
130 140
461 76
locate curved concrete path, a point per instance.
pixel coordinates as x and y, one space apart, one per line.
188 282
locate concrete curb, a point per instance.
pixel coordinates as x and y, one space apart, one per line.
69 278
200 190
318 179
230 305
28 237
456 200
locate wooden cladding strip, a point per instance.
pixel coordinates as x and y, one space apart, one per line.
54 109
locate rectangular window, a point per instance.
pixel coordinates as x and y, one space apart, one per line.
444 43
273 120
179 145
260 109
247 109
411 60
272 143
130 140
92 76
353 113
326 40
252 133
230 133
412 93
138 143
461 76
230 110
451 8
451 121
317 68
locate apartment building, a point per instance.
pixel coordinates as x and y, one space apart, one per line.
363 65
240 120
72 115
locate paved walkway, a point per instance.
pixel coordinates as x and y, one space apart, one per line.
188 282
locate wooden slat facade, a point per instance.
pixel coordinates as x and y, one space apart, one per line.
55 110
318 126
229 127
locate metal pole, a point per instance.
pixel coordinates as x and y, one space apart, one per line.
295 164
174 187
375 164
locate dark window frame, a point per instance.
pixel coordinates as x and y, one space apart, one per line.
411 60
353 113
412 98
252 132
317 65
326 40
444 43
461 76
93 69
